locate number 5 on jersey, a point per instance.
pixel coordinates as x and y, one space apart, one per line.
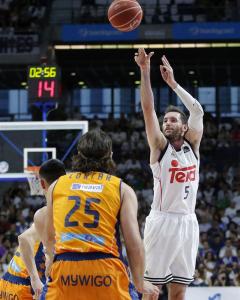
187 187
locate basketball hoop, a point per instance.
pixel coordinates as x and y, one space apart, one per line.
33 180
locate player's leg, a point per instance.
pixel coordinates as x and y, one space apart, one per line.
161 247
176 291
183 266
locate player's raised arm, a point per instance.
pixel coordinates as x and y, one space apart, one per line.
133 241
156 139
27 241
195 121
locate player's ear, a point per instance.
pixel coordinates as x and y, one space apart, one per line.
43 184
185 129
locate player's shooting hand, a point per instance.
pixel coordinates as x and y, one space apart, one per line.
37 287
167 73
149 289
142 59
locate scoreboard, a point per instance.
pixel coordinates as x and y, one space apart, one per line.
44 83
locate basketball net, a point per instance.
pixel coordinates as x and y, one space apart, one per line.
34 181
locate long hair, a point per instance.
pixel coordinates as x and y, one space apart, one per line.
51 170
172 108
94 153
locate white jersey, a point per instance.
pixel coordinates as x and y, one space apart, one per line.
176 178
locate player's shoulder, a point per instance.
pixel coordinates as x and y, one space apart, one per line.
128 197
28 233
126 189
40 214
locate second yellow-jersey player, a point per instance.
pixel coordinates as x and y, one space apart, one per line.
15 283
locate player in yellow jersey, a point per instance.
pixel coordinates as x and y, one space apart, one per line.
26 272
85 210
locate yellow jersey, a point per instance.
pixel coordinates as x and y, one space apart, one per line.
86 209
17 266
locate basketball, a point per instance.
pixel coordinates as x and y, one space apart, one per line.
125 15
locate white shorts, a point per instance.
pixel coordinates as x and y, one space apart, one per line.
171 245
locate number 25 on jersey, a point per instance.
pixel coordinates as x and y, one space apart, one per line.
69 219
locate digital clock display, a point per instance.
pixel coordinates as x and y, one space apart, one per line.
43 72
43 83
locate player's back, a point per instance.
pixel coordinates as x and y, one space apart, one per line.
87 264
86 213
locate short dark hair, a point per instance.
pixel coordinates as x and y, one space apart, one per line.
173 108
94 153
51 170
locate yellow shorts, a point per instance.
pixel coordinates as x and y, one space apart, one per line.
15 291
87 276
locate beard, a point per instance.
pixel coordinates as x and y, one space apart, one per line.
173 135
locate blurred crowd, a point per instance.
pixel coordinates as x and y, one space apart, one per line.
20 16
218 200
167 11
17 211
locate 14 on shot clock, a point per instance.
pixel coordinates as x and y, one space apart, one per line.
44 83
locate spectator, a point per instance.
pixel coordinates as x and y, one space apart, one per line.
228 249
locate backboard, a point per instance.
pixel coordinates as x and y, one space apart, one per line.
24 144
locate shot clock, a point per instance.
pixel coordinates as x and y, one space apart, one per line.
44 83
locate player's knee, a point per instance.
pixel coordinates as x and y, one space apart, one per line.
178 295
177 291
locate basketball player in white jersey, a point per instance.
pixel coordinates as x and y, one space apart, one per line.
171 233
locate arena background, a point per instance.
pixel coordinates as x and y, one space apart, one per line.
99 83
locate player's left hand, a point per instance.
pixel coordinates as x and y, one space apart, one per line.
167 73
150 289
